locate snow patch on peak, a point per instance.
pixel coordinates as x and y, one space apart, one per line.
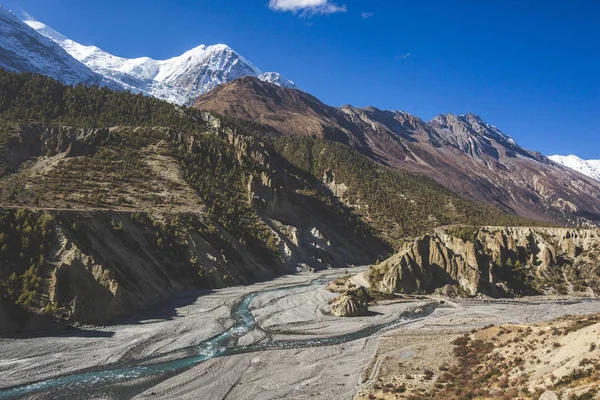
277 79
46 31
589 168
217 47
23 49
179 80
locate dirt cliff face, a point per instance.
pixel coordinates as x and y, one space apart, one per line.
98 224
498 262
96 266
36 140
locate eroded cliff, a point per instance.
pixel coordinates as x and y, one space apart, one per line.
497 262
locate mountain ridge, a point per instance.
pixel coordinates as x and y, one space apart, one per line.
23 49
462 152
589 168
179 79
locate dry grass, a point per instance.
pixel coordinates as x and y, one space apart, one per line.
135 171
514 361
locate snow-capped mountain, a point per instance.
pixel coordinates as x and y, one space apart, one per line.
589 168
178 80
277 79
22 49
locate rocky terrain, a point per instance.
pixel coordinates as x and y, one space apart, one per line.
462 152
111 202
151 249
288 345
496 262
467 155
116 239
559 359
351 303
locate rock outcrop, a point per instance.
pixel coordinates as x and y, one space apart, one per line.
497 262
36 139
352 303
101 265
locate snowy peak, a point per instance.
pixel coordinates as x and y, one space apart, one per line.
45 30
589 168
203 68
277 79
179 80
22 49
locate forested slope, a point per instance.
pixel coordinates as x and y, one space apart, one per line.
113 201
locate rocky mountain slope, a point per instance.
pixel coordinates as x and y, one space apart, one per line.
107 205
178 80
589 168
461 152
23 49
497 262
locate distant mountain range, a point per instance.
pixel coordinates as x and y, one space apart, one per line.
462 152
35 47
111 202
589 168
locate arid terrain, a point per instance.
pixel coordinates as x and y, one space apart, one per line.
292 339
557 359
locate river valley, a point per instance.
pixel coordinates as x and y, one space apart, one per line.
269 340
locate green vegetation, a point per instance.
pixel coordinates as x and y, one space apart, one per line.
108 177
519 276
395 203
25 239
465 233
30 97
166 159
220 176
398 204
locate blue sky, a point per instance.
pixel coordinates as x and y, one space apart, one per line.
532 68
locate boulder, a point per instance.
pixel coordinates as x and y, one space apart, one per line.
350 304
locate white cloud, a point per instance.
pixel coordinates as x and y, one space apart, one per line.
366 15
306 7
403 56
27 16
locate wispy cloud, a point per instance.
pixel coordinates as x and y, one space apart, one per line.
26 15
366 15
403 56
307 8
